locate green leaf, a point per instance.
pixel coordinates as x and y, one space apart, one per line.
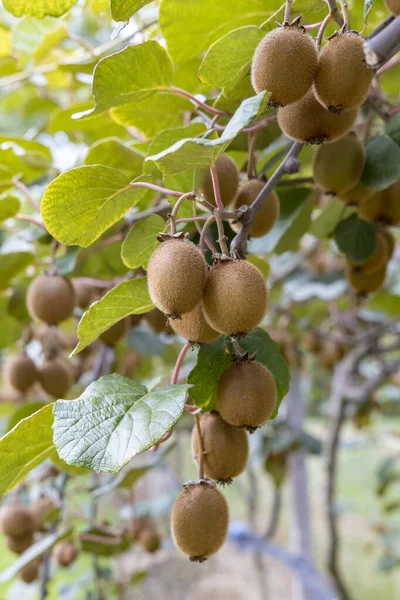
367 8
228 59
6 180
81 204
212 360
39 9
260 263
382 163
23 412
122 10
113 420
393 128
141 241
112 544
65 467
356 238
9 206
269 355
27 158
294 220
168 137
194 153
113 153
11 329
325 224
25 447
191 27
11 264
128 298
34 38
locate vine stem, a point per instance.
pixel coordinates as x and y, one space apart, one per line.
219 210
216 188
288 8
174 211
330 17
156 188
346 16
203 105
191 219
179 363
201 444
18 184
335 12
30 219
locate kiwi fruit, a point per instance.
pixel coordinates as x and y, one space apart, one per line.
115 333
268 213
379 258
390 241
51 299
246 394
176 277
21 372
150 539
65 553
235 297
393 6
366 284
29 573
39 509
309 122
330 354
199 520
193 327
226 448
136 525
337 167
357 194
370 208
312 341
16 521
83 293
284 64
19 545
343 78
157 321
55 378
228 179
383 206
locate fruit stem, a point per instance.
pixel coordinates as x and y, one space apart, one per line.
179 363
216 188
346 16
22 188
330 17
156 188
203 238
191 219
30 219
174 211
288 7
334 11
203 105
201 444
251 162
237 346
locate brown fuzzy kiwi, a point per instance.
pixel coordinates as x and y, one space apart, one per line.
176 277
393 6
391 242
228 179
136 525
150 539
383 206
55 378
343 78
379 258
83 293
330 354
21 372
29 573
226 448
268 213
246 394
309 122
357 194
158 321
51 299
366 284
194 327
199 520
16 521
370 209
39 510
284 64
312 341
65 553
19 545
115 333
337 167
235 297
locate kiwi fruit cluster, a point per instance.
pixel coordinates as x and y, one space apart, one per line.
369 276
317 93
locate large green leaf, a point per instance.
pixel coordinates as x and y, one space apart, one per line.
27 158
212 360
229 58
382 163
191 27
195 153
113 153
113 420
168 137
324 225
34 38
11 264
128 298
9 206
141 241
122 10
25 447
11 328
267 353
38 8
356 238
81 204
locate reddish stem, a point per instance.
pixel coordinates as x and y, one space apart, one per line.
313 25
191 219
99 283
18 184
217 191
179 363
203 105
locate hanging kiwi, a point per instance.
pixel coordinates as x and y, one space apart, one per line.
246 394
55 377
337 167
366 284
357 194
158 321
393 6
309 122
383 207
390 241
228 179
83 293
65 553
30 572
51 299
330 354
235 297
199 520
226 448
114 334
284 64
312 341
39 510
343 78
268 213
16 521
379 258
176 277
150 539
21 372
193 327
19 545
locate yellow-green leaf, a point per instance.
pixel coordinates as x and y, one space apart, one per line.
122 10
113 153
38 8
141 241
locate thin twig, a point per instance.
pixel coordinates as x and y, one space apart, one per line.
174 211
179 363
156 188
203 235
288 7
216 188
221 232
346 16
18 184
334 10
203 105
330 17
30 219
201 446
